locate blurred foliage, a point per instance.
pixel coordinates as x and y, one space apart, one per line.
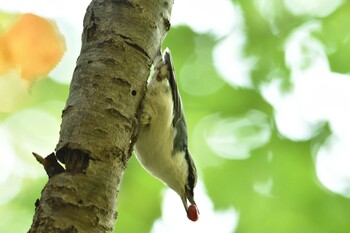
17 215
266 41
337 39
297 202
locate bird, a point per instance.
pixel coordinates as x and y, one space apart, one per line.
162 144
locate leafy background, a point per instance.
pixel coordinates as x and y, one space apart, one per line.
265 86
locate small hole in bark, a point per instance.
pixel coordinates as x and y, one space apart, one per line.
133 92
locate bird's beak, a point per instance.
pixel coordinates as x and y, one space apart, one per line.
189 197
184 201
184 198
192 210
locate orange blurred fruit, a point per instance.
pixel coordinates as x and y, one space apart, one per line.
32 44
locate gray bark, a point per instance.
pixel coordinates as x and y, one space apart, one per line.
121 38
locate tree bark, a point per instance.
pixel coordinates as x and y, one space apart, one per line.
120 40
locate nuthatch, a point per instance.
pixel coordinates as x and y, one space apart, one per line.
162 144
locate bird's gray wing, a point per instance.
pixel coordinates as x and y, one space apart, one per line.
179 122
173 86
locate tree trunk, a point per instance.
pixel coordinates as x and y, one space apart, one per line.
121 38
